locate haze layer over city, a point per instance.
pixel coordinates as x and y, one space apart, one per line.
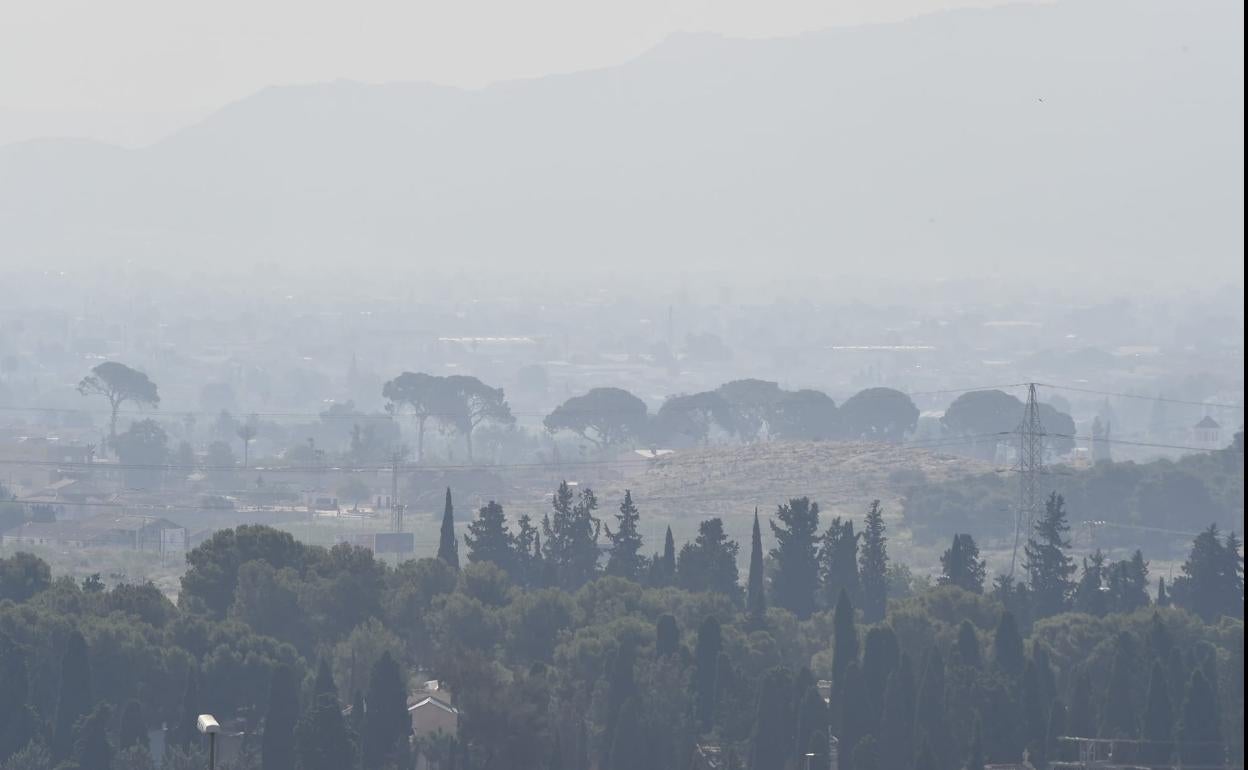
621 386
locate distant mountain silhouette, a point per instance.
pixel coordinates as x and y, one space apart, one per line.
1090 134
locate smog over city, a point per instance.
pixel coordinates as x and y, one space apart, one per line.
622 386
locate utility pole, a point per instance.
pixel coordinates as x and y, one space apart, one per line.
1030 467
396 510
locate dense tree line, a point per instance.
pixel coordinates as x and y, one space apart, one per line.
562 656
1141 503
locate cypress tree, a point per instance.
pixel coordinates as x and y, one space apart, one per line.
386 722
184 732
1007 646
666 636
17 722
1119 719
1044 672
1163 598
975 751
930 715
771 746
1082 718
755 601
133 730
1200 734
627 747
796 556
844 637
1176 675
967 647
873 565
324 684
621 687
625 559
1158 719
897 722
74 699
705 671
322 741
880 656
668 561
277 744
811 713
1035 718
1160 642
1051 749
854 718
92 751
448 546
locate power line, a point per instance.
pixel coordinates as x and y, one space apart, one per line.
1137 396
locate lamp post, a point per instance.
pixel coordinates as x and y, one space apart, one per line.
207 725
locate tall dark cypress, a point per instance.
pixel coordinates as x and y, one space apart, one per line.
277 744
873 565
1119 718
386 722
133 730
1082 718
663 566
666 636
1035 716
1158 719
706 672
931 719
74 700
967 648
771 746
1200 734
184 732
17 718
755 601
92 750
880 655
1007 646
855 720
621 688
811 718
448 547
1052 748
897 722
322 741
324 684
844 637
975 751
627 748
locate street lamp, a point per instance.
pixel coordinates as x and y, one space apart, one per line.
207 725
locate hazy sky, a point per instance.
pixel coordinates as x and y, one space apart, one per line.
129 71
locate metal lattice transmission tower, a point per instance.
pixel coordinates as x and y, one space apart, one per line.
1030 468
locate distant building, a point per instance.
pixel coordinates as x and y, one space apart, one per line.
110 530
1207 433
